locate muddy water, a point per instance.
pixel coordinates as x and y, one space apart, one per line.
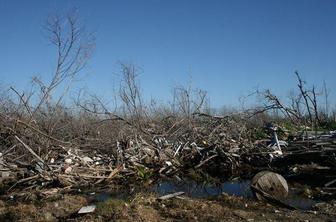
200 190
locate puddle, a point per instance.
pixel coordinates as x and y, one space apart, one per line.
199 190
299 201
102 196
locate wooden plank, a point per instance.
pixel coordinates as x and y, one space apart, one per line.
168 196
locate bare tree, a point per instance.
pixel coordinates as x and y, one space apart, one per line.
189 101
305 95
272 102
326 99
303 107
295 102
74 47
130 92
310 99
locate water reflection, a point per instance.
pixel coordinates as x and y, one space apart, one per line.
202 190
199 190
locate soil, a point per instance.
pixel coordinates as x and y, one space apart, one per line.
146 207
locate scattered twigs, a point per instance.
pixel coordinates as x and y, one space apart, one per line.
30 150
23 100
112 174
40 132
9 150
205 161
23 181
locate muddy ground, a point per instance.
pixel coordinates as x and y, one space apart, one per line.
146 207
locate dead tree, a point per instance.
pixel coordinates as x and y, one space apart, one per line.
272 102
304 96
130 94
313 101
189 101
74 47
310 99
326 99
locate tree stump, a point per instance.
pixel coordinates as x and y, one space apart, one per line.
270 183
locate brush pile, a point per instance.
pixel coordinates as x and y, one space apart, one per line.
77 152
74 153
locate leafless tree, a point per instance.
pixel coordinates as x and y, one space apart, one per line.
272 102
130 92
311 102
305 95
188 101
326 99
74 47
303 107
295 102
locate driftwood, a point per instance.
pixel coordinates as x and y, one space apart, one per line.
168 196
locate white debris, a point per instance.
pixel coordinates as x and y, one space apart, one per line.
278 153
39 167
68 161
283 143
68 169
5 174
193 145
295 169
169 163
87 209
87 159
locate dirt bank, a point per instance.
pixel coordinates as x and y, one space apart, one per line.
146 207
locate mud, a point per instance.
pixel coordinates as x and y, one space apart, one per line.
226 201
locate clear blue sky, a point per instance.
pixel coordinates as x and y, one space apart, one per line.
227 47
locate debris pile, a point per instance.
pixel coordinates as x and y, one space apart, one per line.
33 157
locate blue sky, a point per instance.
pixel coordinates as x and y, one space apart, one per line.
227 48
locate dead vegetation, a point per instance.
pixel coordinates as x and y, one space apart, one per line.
49 147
